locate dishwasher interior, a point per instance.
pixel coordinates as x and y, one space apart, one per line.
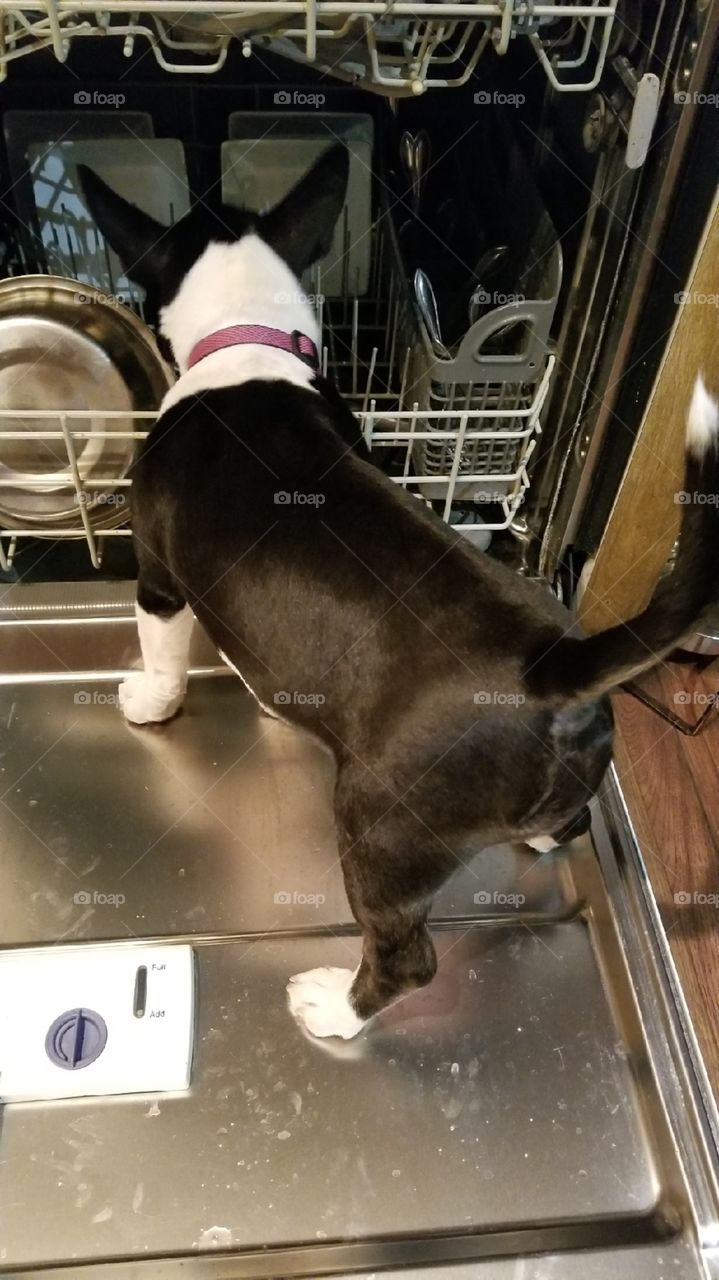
540 1108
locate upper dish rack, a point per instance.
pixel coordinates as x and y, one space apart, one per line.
394 47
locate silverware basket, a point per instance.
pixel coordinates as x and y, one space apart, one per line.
494 377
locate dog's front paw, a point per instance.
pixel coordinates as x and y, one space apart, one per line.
144 701
319 1000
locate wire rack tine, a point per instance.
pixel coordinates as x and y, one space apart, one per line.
80 492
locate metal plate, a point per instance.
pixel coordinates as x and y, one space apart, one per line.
66 346
240 25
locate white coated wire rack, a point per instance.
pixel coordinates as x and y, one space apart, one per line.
395 47
474 445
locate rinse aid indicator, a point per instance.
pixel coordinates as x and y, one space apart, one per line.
95 1019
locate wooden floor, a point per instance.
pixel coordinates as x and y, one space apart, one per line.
671 786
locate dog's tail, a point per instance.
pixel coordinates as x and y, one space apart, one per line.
573 669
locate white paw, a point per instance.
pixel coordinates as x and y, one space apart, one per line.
143 701
543 844
319 1000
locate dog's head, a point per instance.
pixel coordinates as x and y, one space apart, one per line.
158 258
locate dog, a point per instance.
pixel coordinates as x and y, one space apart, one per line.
461 704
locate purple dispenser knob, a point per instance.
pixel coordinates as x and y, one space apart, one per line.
76 1039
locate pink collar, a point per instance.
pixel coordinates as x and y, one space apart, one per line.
296 343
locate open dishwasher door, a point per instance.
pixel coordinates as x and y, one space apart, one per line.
538 1111
533 1111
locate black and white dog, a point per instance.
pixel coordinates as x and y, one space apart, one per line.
461 709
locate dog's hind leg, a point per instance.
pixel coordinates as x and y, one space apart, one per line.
164 623
397 956
576 826
573 827
390 875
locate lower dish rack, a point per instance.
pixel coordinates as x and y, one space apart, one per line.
440 441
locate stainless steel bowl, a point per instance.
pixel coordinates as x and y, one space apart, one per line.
239 25
67 347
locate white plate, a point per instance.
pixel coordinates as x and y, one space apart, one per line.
24 129
151 174
332 126
257 174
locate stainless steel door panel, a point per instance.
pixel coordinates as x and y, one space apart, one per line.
534 1100
220 822
501 1098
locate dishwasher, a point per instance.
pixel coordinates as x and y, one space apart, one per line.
528 185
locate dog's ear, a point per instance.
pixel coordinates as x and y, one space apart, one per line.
301 227
138 240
